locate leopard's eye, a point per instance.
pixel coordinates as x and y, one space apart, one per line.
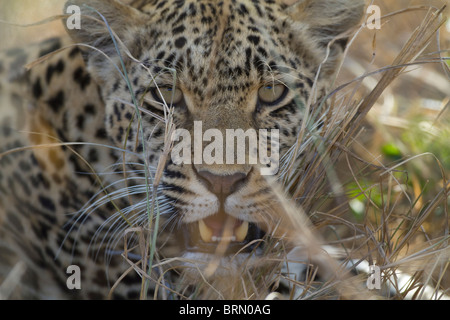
272 94
168 95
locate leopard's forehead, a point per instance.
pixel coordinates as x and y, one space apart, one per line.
217 47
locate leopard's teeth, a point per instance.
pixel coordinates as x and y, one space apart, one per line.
205 232
241 232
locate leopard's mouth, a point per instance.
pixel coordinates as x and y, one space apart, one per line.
222 234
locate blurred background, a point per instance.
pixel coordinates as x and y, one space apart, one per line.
408 131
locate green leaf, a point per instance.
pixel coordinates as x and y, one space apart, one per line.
390 150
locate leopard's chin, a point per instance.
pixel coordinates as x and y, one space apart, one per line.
202 265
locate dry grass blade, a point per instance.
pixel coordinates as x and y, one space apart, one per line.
12 280
295 227
416 44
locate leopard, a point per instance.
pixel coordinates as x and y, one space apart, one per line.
87 127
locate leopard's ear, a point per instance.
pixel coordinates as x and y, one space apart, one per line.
93 31
326 18
324 23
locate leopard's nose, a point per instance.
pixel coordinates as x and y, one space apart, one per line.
222 185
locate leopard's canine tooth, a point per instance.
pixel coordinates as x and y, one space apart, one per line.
205 232
241 231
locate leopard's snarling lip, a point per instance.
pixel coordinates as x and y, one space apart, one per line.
234 235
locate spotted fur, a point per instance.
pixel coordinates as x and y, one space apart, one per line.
75 152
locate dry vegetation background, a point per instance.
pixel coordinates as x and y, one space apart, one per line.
408 130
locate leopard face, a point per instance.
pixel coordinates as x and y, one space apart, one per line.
226 65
